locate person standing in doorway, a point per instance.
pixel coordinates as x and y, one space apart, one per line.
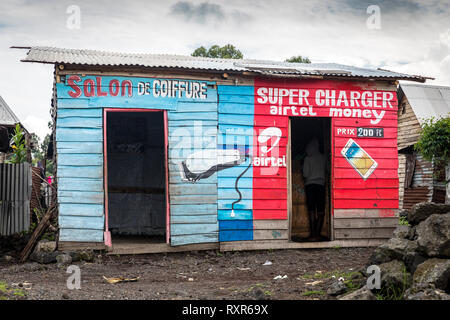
314 170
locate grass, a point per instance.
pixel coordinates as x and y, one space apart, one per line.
6 291
313 292
325 275
350 281
393 293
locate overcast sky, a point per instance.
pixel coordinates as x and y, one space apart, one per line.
413 37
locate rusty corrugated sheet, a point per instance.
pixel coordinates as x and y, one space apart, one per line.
421 189
15 193
423 173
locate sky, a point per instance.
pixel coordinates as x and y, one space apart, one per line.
407 36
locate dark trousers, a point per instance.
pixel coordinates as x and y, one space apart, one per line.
315 201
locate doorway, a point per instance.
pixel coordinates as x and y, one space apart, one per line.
303 226
136 183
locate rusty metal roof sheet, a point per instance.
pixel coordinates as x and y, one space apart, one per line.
264 67
427 101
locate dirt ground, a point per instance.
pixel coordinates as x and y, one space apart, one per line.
192 275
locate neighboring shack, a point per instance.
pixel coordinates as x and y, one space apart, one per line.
420 181
165 152
15 179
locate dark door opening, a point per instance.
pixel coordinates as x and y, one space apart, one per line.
310 203
136 175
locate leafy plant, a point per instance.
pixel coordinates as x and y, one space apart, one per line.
226 52
403 221
17 143
434 141
298 59
394 293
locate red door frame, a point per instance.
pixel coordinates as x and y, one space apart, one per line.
107 233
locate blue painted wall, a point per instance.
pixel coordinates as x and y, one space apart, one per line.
192 126
236 110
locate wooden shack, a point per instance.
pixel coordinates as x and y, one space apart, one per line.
168 153
420 180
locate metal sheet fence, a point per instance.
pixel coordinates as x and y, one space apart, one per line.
15 194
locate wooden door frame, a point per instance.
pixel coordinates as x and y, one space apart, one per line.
107 234
331 180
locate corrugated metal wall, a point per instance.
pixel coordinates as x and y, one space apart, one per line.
421 189
15 194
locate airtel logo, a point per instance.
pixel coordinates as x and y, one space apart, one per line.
266 135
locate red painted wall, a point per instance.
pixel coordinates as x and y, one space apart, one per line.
350 106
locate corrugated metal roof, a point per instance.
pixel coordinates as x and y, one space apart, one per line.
270 68
427 101
7 116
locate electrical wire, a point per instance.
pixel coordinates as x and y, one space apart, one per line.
236 184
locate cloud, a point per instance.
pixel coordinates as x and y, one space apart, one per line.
200 13
435 63
206 12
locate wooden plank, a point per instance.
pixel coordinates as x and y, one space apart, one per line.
239 214
365 203
133 71
81 222
200 219
236 90
235 108
80 172
355 223
189 123
197 106
363 233
79 134
192 116
378 193
80 197
79 122
180 209
69 113
264 214
193 199
81 209
42 226
80 184
177 240
365 213
233 119
126 248
193 189
79 147
70 245
85 159
193 131
270 234
193 229
284 244
80 235
270 224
